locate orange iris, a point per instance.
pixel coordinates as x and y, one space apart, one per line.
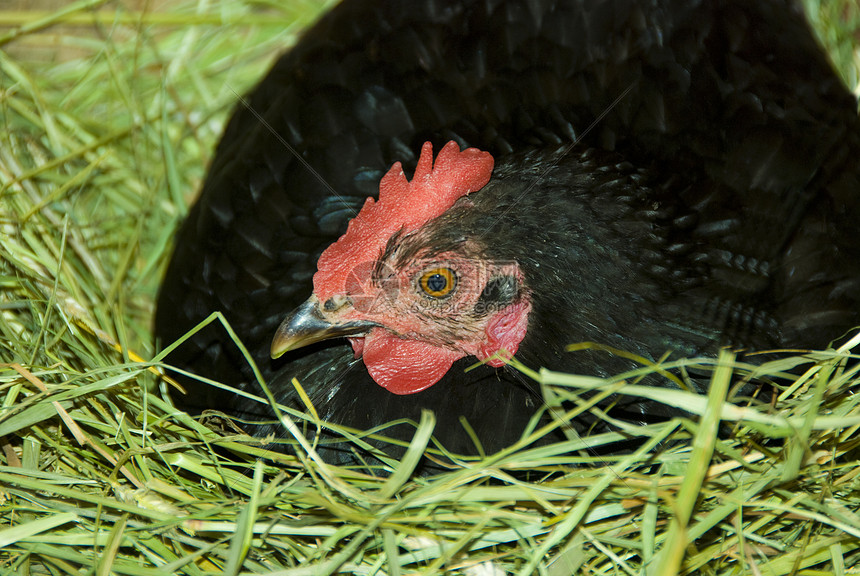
438 282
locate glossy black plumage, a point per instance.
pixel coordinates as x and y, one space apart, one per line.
717 196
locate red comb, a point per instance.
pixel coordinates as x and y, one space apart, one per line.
402 205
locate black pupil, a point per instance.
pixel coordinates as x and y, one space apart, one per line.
437 283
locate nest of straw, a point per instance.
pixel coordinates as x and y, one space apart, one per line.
110 112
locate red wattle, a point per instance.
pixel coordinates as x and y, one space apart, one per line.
404 366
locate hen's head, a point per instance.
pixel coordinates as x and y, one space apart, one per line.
411 290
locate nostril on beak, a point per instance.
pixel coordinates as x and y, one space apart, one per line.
335 303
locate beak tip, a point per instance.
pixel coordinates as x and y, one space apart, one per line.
282 342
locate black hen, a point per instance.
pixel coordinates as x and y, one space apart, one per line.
712 203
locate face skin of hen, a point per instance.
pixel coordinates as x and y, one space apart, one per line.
428 301
429 296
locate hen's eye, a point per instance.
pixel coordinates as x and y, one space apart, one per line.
438 282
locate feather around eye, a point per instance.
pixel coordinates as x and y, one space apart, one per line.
438 282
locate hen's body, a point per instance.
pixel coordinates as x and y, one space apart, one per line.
713 204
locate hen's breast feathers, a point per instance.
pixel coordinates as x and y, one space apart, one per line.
709 204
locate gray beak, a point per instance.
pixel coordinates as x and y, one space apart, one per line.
308 324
